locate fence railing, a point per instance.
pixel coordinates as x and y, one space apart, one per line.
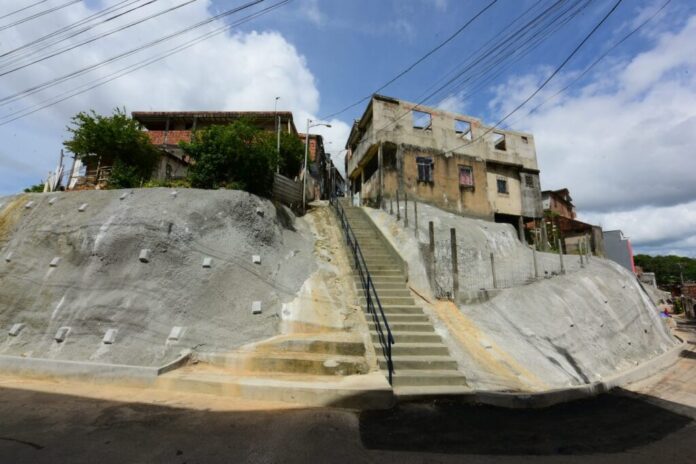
373 305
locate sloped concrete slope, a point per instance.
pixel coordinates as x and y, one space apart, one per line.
75 261
557 331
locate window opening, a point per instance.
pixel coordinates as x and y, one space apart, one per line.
425 169
525 139
422 120
463 128
502 185
499 141
529 181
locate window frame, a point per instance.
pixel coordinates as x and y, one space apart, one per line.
471 175
427 163
500 179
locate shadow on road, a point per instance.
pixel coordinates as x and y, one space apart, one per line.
610 423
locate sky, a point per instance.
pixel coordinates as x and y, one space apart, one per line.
621 137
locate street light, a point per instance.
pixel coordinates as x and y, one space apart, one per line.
306 155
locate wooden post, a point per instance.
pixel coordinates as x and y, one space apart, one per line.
455 266
381 173
398 210
536 265
431 233
581 251
391 206
405 209
520 229
495 282
560 254
415 214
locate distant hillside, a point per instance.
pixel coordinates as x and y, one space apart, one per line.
667 268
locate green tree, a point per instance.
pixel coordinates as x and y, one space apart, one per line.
237 155
667 269
116 141
35 188
291 154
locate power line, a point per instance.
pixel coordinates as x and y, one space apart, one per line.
85 20
38 15
32 90
414 64
134 67
23 9
600 58
510 41
547 80
100 36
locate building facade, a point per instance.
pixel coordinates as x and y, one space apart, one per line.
167 128
449 160
618 248
558 202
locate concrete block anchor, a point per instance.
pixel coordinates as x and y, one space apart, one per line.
16 329
144 256
61 334
54 262
256 307
8 257
109 337
123 196
174 194
82 207
207 263
52 200
29 205
175 334
256 259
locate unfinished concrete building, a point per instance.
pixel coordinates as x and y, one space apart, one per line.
449 160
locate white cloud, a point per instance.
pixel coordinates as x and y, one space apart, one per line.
623 144
237 71
653 228
453 103
310 10
439 5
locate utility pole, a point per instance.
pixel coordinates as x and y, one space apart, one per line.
277 121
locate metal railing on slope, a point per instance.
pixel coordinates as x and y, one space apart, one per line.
374 307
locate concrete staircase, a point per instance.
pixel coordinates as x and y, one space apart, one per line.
422 363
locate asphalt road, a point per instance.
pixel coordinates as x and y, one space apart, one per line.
38 427
51 422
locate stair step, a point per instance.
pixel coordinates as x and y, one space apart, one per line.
400 309
423 377
289 362
407 318
386 292
420 363
420 349
410 337
396 300
405 326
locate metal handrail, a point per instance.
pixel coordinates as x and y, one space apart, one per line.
371 296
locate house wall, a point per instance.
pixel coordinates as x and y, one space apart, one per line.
510 203
179 169
391 122
618 249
